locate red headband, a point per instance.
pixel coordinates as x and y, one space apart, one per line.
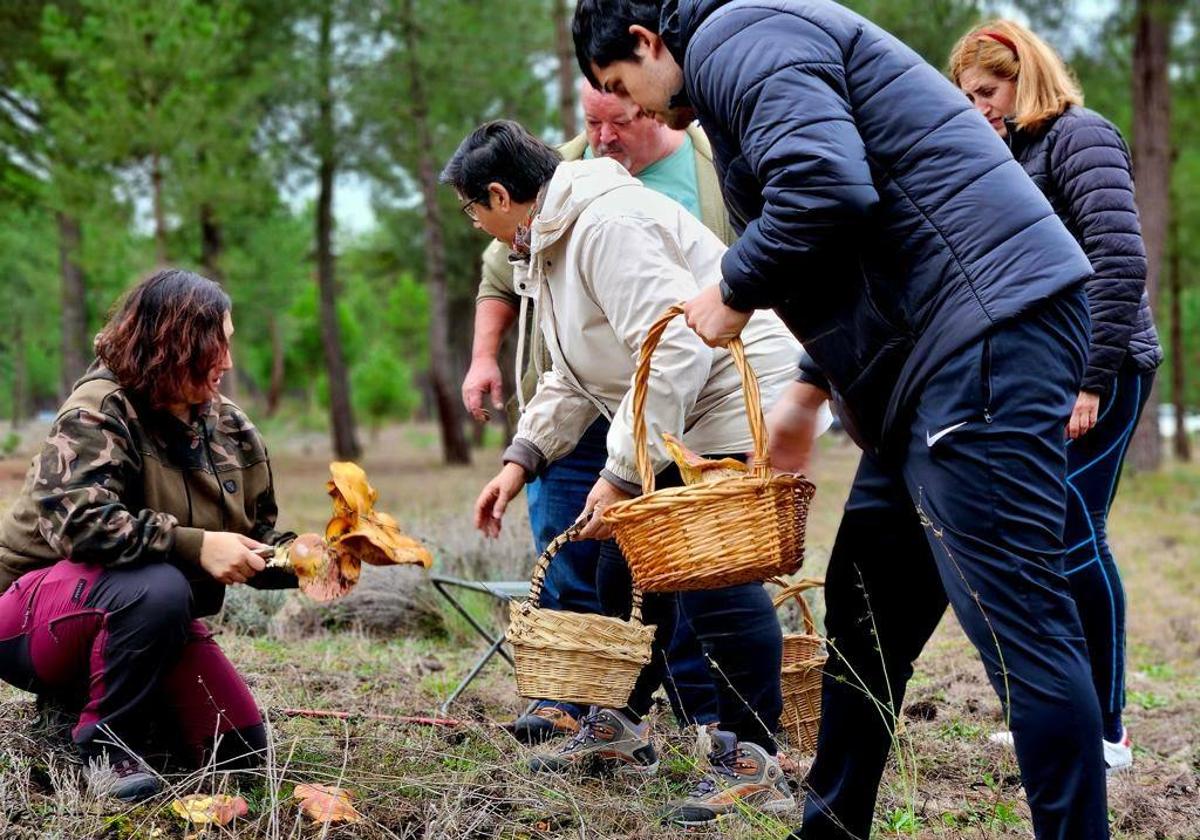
1001 39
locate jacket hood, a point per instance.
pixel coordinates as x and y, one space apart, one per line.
680 20
575 185
96 372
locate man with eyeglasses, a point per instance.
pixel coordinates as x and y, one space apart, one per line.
678 164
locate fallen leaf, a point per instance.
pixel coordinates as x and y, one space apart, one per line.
203 809
325 803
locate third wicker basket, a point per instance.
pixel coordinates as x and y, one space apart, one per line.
803 661
720 533
576 657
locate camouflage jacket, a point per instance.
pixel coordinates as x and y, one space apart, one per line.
120 483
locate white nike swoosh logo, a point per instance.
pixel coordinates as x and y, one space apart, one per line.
932 439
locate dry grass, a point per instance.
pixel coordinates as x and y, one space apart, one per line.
419 782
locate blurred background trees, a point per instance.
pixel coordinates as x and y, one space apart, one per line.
290 151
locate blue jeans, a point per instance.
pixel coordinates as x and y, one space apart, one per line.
1093 472
555 500
969 513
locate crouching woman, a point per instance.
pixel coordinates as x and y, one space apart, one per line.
147 499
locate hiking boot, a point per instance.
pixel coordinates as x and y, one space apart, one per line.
742 776
126 778
543 724
606 739
1118 755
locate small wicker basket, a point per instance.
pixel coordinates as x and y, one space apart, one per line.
803 661
732 530
576 657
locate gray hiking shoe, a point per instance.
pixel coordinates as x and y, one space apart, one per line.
124 778
742 777
606 740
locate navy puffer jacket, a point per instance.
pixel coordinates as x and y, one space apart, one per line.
879 214
1081 163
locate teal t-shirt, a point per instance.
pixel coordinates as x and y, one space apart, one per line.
674 176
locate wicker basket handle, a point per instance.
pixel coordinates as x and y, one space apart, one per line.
543 564
795 590
761 467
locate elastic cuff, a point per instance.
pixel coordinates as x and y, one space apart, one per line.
621 484
734 299
188 542
525 455
1097 382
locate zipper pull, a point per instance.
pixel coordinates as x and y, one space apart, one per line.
987 416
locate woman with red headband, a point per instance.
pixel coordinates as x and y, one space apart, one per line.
1081 163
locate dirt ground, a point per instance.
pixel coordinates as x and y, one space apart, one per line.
415 781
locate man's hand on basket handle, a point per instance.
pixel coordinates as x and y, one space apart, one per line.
712 320
603 494
492 502
792 426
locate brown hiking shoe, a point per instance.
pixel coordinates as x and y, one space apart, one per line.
742 776
543 724
606 740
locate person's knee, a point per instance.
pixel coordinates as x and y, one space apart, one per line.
166 596
242 748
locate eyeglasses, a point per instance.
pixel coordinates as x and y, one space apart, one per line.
468 207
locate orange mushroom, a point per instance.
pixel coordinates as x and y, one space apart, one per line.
329 567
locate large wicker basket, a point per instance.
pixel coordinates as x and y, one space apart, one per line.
732 530
803 661
576 657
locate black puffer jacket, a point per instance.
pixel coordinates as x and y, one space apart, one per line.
880 215
1081 163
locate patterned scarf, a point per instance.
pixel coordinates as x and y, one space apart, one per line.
522 239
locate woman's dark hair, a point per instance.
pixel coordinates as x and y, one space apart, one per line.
167 332
601 31
503 152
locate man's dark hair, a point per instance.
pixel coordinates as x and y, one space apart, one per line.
167 332
501 151
601 31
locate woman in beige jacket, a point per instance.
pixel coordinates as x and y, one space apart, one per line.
598 258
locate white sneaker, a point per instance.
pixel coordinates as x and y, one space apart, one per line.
1119 755
1003 738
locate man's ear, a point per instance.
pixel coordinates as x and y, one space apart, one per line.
498 196
648 43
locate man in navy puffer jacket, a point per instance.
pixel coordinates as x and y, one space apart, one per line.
940 301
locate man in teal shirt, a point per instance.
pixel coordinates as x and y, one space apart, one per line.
677 164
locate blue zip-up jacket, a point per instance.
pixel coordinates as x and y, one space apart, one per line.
878 213
1081 163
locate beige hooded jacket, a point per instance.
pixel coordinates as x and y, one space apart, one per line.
607 257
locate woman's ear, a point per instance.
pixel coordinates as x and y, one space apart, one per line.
498 197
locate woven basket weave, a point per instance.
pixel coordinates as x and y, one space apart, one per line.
720 533
576 657
803 661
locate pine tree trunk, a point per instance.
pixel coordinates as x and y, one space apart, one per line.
19 374
454 442
565 50
1152 172
1183 445
212 246
275 388
76 343
345 440
160 212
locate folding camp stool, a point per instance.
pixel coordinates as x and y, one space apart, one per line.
503 591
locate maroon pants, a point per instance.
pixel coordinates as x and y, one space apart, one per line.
120 646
